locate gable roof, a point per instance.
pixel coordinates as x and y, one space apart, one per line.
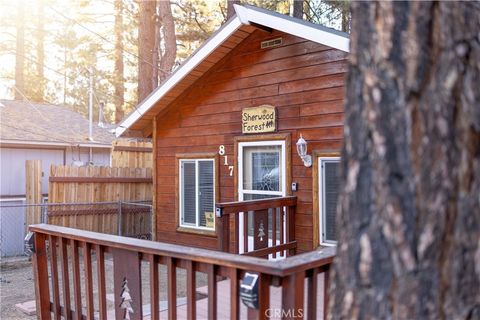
246 20
22 122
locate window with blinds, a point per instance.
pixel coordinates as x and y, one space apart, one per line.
329 188
197 193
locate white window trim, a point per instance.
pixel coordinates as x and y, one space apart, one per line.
321 197
242 192
241 145
195 226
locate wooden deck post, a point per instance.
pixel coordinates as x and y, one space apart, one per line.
223 233
40 273
293 296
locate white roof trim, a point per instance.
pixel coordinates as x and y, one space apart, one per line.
299 29
245 16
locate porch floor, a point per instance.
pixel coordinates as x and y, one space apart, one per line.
223 304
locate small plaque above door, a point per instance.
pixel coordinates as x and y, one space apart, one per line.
259 119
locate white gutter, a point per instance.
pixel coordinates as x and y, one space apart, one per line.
52 144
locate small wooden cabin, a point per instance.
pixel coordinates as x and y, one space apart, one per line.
226 123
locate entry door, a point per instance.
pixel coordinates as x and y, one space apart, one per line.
261 175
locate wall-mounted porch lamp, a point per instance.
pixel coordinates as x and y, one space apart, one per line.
302 152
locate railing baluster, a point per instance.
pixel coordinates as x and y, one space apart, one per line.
102 299
87 265
54 277
326 289
293 294
274 230
172 288
155 309
212 292
65 278
245 232
40 270
77 291
234 294
312 295
282 230
191 294
291 228
236 231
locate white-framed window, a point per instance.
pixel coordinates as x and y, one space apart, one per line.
197 193
328 188
261 170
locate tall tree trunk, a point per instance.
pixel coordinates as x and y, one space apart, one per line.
230 8
40 92
20 52
409 240
298 9
169 54
119 82
146 34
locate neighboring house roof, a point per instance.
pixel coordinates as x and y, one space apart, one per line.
240 26
23 122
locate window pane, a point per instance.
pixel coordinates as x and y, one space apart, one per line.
205 190
261 168
331 176
188 192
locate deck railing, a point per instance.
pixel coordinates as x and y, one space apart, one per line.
267 229
57 250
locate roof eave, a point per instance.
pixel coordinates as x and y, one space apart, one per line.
179 74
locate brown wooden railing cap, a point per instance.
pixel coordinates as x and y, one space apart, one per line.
280 268
252 205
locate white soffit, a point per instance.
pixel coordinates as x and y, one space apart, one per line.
245 15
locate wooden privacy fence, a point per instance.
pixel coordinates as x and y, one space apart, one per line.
82 190
33 191
133 154
68 184
290 286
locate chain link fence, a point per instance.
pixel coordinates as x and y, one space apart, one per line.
129 219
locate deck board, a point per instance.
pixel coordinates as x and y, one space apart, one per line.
223 303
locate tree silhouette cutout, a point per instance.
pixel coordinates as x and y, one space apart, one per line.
126 303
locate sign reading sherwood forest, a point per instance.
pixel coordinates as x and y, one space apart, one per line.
259 119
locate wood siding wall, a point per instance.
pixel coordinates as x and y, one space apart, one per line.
303 79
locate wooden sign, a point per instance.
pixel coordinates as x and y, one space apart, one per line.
259 119
210 219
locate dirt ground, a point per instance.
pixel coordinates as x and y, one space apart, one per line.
17 285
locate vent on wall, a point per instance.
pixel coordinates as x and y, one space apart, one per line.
271 43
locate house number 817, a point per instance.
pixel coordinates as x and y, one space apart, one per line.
221 151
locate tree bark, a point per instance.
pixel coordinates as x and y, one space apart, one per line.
146 34
169 39
119 82
230 8
298 9
20 52
409 211
40 92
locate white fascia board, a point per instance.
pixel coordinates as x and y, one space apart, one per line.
179 74
273 21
